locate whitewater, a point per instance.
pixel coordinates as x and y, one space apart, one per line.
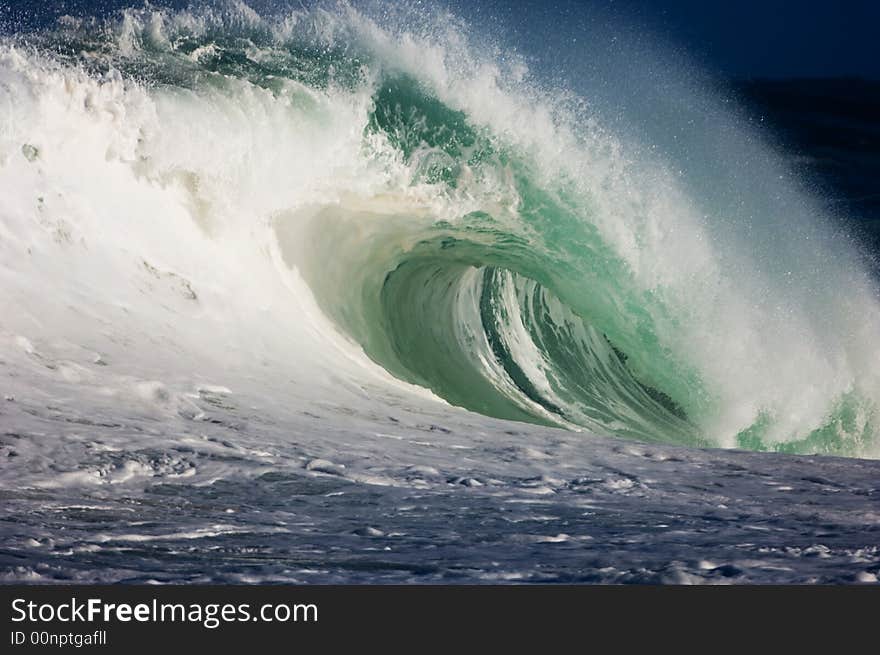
353 294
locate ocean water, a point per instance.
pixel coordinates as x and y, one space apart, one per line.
355 293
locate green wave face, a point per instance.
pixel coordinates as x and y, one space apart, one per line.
522 268
515 314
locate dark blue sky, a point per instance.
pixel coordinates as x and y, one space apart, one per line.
775 38
733 38
744 38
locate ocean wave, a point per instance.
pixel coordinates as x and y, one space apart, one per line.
372 208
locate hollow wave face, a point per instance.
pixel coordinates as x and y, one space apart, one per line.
330 196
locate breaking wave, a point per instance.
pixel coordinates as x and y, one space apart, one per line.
305 187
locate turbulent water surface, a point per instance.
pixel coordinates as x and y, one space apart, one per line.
350 294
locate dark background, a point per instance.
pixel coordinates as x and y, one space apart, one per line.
773 38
